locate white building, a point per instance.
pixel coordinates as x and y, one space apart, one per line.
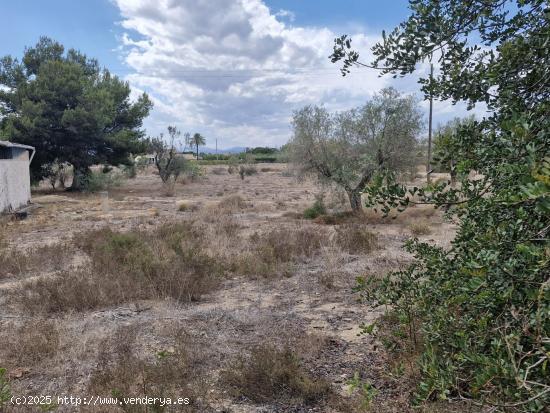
15 180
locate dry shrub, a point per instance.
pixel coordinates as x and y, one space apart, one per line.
284 245
273 252
186 207
168 189
213 223
30 343
167 263
270 374
419 227
172 372
266 169
232 203
218 171
355 240
293 215
417 212
12 262
247 170
77 290
339 218
332 268
52 257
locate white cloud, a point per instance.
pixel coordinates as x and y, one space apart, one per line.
234 71
286 14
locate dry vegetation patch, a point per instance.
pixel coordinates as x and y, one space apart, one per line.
173 372
269 374
16 262
232 204
272 253
257 329
420 227
355 239
29 343
169 262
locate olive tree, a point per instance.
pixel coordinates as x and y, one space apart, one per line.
349 148
169 164
447 148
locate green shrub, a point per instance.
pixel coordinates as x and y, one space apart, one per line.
100 181
317 209
129 171
5 391
193 171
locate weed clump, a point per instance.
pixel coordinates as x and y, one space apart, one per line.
14 261
247 170
355 240
273 252
270 374
167 373
30 343
170 262
232 203
317 209
419 228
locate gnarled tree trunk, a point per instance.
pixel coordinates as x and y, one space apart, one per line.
355 200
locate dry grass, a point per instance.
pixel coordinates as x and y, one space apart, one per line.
182 207
420 227
272 253
243 237
30 343
219 171
168 189
167 263
332 268
16 262
232 204
355 239
270 374
173 372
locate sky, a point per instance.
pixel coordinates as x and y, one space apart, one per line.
233 70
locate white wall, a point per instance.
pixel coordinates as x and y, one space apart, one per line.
15 184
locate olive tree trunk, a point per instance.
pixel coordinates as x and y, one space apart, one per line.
355 200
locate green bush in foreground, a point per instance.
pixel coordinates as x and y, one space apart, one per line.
480 310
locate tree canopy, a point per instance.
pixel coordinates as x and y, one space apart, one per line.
484 304
349 148
69 109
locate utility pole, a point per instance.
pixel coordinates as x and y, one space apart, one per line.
429 163
216 148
